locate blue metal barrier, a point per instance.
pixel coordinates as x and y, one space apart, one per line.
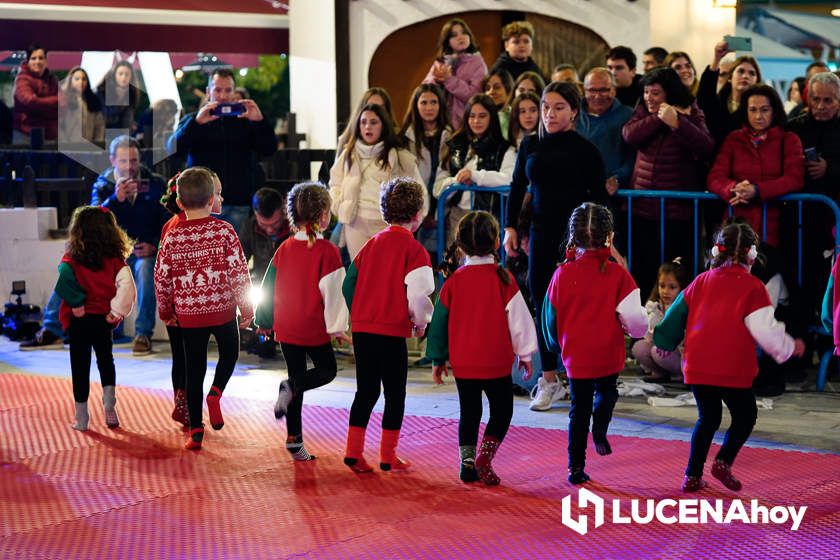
696 197
503 192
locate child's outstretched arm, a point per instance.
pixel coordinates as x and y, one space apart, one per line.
123 301
420 284
336 313
827 310
164 292
523 332
69 288
633 317
437 341
240 279
549 322
770 334
671 330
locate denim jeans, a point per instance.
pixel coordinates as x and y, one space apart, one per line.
51 320
235 216
143 270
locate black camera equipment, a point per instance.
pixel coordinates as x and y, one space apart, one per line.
20 321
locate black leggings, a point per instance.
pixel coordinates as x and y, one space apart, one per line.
542 262
582 391
742 409
195 351
179 360
323 371
499 393
90 331
381 362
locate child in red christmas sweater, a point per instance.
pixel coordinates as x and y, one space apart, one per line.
176 341
97 292
387 290
480 322
591 302
304 306
201 277
722 314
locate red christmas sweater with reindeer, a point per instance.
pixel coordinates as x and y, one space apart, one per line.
201 276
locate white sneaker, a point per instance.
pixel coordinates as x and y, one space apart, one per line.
542 395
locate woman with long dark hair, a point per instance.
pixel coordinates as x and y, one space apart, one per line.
371 156
425 132
80 111
479 155
563 170
119 96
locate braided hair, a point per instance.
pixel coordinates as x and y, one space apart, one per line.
733 242
478 234
590 226
306 203
169 200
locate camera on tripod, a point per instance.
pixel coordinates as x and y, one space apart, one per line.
20 320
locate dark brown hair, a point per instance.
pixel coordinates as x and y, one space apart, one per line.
91 100
446 34
388 137
414 121
195 187
305 205
535 78
734 240
107 88
513 124
400 199
169 200
478 233
676 269
95 235
779 115
567 91
590 226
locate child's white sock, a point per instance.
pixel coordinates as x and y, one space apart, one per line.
82 418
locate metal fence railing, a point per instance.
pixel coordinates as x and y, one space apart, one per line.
696 197
503 193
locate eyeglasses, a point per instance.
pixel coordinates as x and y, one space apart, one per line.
598 91
724 74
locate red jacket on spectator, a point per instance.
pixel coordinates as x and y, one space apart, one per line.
36 102
775 166
667 159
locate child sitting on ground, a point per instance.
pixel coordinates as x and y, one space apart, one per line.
671 278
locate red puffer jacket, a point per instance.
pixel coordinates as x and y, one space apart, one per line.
775 167
667 159
36 102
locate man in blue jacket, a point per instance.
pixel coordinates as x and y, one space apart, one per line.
228 142
132 192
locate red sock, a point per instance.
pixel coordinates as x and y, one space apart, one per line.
214 408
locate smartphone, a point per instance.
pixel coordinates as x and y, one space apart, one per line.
811 154
228 110
736 43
